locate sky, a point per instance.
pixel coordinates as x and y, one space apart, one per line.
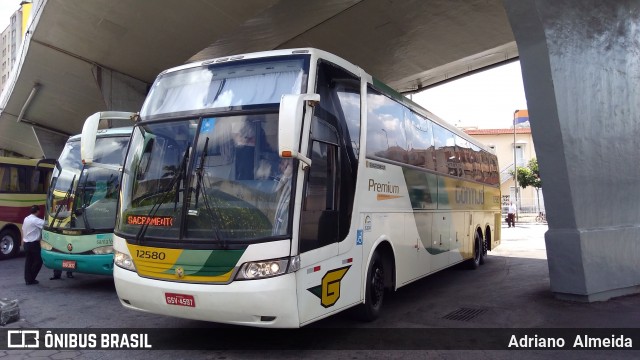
7 7
486 100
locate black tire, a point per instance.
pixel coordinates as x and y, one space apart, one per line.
374 290
478 257
483 241
9 244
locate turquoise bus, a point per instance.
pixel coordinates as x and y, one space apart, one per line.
81 202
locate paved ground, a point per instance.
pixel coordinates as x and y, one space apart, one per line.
510 291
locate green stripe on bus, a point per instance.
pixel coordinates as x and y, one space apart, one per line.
26 200
206 263
220 262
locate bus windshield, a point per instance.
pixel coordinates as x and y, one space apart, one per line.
85 198
230 187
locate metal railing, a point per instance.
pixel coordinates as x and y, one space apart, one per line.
504 173
528 211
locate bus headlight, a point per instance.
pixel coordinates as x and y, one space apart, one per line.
103 250
267 268
124 261
45 245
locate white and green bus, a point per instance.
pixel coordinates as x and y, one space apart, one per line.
82 199
274 189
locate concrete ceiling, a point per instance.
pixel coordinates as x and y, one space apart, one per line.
409 44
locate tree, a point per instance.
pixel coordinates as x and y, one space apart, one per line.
530 176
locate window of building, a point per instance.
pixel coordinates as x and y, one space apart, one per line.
520 155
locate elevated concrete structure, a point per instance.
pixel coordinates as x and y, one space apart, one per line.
580 63
88 56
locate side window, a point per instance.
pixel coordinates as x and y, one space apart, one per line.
419 141
446 159
5 177
13 179
320 204
494 172
21 182
350 102
476 160
465 158
385 132
320 191
46 179
35 181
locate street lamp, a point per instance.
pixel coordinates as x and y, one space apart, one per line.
515 166
386 136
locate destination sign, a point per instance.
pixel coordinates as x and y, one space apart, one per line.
165 221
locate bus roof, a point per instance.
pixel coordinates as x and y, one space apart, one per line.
257 55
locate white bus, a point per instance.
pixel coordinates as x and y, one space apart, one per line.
274 189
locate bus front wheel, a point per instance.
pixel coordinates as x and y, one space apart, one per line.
9 244
374 290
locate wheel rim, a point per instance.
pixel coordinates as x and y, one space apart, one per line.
6 245
377 284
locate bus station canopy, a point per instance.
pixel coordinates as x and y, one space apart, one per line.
74 48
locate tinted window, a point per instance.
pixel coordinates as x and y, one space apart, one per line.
419 141
385 131
446 160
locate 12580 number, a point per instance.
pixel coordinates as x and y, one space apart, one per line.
153 255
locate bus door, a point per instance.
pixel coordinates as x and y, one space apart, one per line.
328 279
318 240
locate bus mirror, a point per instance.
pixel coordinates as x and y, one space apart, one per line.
290 124
53 162
88 138
90 131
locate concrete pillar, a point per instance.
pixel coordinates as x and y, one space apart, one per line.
581 69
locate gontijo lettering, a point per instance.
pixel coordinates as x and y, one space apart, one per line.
465 195
150 220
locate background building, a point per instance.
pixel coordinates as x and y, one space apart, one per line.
11 38
502 142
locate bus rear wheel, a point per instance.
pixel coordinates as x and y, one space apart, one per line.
478 253
9 244
374 290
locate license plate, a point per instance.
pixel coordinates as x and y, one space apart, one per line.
180 299
69 264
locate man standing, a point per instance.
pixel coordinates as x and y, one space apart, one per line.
31 234
511 215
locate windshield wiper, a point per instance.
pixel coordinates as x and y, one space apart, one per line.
156 205
200 183
64 200
82 192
